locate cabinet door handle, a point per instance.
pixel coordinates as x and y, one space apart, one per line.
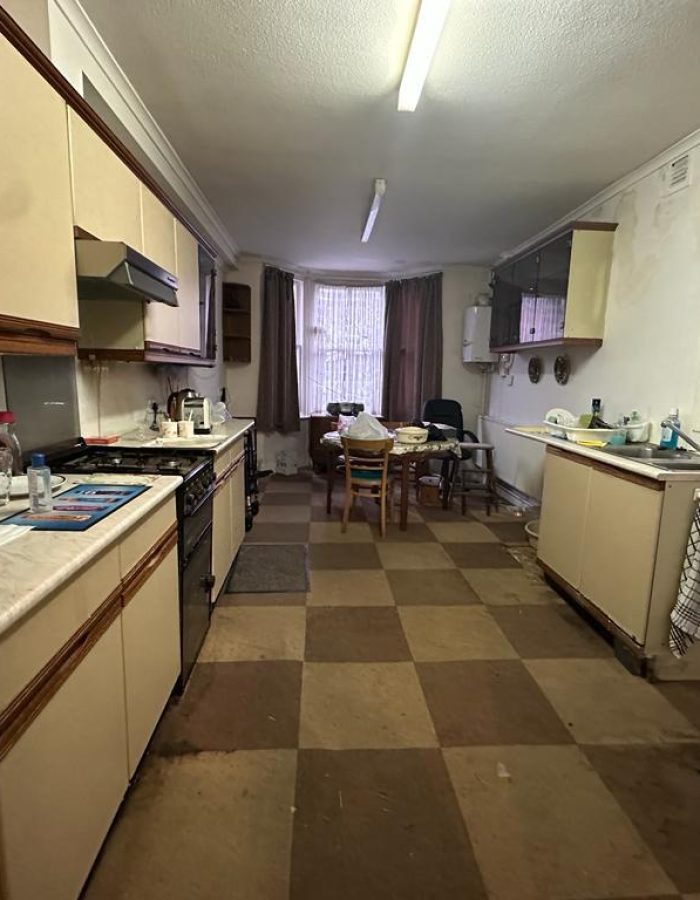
208 581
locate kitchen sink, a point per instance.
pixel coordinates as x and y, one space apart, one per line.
656 456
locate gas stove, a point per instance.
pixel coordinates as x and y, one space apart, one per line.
132 460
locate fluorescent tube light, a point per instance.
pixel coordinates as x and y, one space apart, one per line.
426 34
379 191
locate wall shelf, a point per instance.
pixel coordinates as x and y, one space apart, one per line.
237 317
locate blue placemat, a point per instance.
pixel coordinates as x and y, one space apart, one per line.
80 507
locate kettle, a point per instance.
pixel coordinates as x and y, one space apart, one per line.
176 403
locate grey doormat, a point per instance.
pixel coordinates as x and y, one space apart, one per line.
269 568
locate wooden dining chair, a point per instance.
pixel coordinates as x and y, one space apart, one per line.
367 475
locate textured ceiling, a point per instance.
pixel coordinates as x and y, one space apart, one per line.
285 110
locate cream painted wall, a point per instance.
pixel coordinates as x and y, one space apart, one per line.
33 17
650 358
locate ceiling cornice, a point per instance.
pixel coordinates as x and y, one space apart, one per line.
146 131
685 145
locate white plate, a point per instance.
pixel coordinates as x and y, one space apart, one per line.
20 488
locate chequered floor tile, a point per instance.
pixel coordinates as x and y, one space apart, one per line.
428 720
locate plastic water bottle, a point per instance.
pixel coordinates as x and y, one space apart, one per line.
669 438
39 483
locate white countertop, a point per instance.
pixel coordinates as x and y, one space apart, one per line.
218 441
638 466
38 562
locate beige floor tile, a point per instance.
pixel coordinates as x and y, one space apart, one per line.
413 556
329 532
543 826
350 587
602 703
363 706
509 587
255 632
203 826
274 514
456 532
437 633
290 487
479 513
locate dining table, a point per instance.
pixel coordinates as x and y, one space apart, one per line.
403 455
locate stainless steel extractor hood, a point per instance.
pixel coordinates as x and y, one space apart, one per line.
111 270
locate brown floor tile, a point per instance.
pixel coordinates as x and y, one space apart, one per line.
355 634
283 533
549 632
659 789
509 532
347 706
271 599
353 587
439 587
438 514
331 532
417 532
685 696
276 514
319 514
250 633
602 703
439 633
193 826
281 498
488 702
343 556
234 706
381 825
480 556
544 827
467 532
413 556
510 587
288 485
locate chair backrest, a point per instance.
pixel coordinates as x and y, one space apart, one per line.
445 412
366 458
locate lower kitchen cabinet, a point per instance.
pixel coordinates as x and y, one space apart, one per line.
151 636
615 542
563 520
62 782
238 503
619 552
229 513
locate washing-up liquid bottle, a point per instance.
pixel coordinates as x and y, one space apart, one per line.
669 438
39 484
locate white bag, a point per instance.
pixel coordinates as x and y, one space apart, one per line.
367 428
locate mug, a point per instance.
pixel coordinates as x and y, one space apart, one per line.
185 428
168 428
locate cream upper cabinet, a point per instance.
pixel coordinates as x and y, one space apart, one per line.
36 235
619 553
563 518
162 321
106 194
187 255
62 782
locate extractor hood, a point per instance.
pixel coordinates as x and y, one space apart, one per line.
111 270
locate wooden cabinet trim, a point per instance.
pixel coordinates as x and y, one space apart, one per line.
558 342
147 565
43 65
34 337
652 484
21 712
228 471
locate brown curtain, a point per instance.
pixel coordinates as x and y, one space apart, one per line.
412 346
278 386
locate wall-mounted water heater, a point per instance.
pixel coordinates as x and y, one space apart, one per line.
475 340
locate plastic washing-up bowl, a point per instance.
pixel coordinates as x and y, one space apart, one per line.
532 530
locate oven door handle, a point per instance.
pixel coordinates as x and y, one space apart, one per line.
208 581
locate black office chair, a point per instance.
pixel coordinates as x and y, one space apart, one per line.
449 412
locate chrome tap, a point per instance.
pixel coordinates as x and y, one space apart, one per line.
668 423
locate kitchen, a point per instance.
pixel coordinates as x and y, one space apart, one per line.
101 627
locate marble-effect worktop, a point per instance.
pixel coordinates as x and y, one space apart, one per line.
39 562
217 442
637 466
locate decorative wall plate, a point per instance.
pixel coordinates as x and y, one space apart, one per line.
534 369
562 369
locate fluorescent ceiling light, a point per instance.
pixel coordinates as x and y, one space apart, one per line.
379 191
426 34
